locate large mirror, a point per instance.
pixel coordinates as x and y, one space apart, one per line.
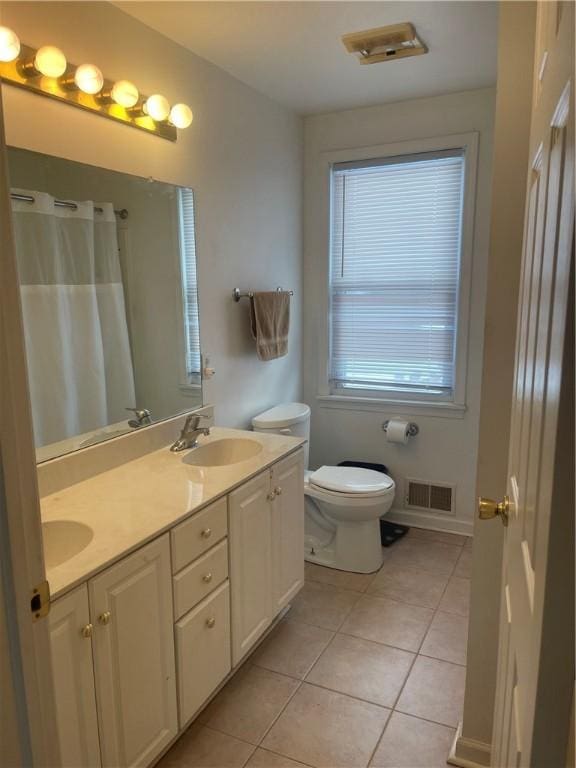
107 266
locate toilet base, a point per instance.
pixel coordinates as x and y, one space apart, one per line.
355 547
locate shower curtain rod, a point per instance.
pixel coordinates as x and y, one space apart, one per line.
122 213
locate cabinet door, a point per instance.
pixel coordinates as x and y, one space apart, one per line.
287 529
131 609
203 651
250 526
71 652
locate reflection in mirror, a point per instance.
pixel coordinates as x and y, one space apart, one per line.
107 267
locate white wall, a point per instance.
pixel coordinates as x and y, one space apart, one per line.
446 448
242 156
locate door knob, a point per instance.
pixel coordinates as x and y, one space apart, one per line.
86 631
488 509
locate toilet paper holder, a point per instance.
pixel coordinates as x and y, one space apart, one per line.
413 428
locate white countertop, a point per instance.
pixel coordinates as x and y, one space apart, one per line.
131 504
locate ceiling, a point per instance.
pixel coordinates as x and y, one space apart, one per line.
292 52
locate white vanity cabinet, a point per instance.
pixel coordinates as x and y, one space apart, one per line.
71 650
134 669
112 649
266 521
140 648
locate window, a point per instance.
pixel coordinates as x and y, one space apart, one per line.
189 287
396 231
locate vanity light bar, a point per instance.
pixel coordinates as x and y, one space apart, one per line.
46 71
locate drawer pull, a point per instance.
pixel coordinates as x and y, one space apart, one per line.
210 622
87 631
206 533
207 578
278 490
105 617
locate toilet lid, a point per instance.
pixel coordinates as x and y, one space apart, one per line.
351 480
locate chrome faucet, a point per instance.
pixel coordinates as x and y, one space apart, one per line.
190 433
143 417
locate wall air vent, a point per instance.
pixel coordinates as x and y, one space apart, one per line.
385 43
435 497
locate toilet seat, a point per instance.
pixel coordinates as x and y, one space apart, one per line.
351 481
350 500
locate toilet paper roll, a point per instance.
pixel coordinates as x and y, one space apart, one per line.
397 431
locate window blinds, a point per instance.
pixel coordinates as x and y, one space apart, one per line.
394 272
189 286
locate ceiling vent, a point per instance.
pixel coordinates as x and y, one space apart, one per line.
385 43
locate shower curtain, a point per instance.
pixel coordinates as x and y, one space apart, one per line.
77 345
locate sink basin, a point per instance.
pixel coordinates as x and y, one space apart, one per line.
63 539
222 453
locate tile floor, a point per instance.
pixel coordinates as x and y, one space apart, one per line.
363 671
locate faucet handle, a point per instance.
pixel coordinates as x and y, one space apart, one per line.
140 413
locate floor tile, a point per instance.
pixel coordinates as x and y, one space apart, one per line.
431 556
323 605
447 638
409 585
201 747
262 758
357 582
412 743
456 598
441 536
248 705
464 564
369 671
327 729
292 648
387 621
435 691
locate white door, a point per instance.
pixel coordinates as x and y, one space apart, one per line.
250 526
71 650
535 673
26 684
131 610
287 529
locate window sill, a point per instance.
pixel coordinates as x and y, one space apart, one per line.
191 390
388 405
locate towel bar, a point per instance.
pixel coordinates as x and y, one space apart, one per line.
237 294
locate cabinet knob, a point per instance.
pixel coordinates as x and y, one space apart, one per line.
271 496
210 622
207 578
206 533
278 490
105 617
87 631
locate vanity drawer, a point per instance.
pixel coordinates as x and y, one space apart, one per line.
197 534
203 651
199 579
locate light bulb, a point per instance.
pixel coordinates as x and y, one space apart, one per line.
125 93
157 107
9 44
50 61
181 115
89 79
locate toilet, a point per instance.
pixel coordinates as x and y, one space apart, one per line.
343 505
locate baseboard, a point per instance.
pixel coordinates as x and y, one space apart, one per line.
431 521
468 753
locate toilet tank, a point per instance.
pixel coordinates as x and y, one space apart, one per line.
286 419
